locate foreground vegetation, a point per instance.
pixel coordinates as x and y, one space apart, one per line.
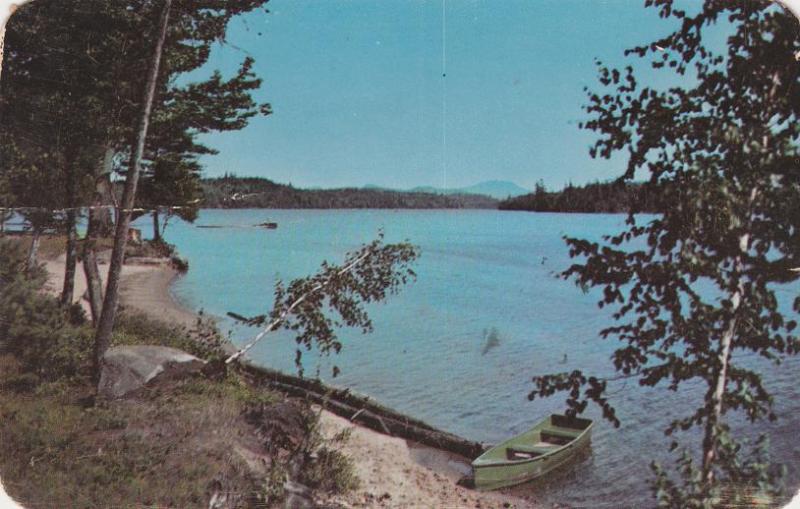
175 444
694 289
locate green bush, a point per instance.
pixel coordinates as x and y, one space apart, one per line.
150 249
330 471
204 341
34 328
325 468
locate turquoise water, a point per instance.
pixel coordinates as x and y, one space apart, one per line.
480 273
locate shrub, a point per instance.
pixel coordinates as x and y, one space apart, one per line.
34 328
331 471
150 249
203 341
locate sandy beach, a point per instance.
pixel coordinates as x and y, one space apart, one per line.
145 288
397 473
394 473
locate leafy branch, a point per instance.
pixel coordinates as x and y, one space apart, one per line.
369 274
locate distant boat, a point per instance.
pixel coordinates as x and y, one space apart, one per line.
543 448
269 225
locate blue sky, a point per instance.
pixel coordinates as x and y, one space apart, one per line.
402 93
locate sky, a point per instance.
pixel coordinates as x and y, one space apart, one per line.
448 93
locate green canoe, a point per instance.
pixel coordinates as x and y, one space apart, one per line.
532 454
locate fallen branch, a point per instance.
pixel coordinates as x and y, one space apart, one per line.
357 410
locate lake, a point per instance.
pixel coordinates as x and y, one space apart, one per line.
481 274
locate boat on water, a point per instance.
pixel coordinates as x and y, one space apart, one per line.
268 225
543 448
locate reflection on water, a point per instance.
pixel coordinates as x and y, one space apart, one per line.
482 274
491 339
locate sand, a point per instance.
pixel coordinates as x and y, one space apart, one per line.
397 473
145 288
393 472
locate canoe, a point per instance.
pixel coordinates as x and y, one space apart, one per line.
543 448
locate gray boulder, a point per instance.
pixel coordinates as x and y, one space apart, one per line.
128 368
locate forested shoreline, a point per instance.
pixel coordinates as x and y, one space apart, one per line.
230 192
595 197
233 192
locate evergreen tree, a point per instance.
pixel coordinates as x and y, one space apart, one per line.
171 177
74 75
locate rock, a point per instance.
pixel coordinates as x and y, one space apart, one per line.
128 368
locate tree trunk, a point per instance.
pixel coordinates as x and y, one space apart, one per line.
106 323
725 344
2 42
714 418
34 249
68 290
94 285
97 213
104 224
156 227
9 9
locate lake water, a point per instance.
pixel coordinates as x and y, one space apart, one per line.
480 273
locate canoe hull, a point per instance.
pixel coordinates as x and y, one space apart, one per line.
490 474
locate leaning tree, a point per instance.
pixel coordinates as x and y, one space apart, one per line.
693 288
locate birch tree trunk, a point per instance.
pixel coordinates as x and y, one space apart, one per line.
726 341
710 438
108 314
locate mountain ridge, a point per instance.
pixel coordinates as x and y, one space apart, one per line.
498 189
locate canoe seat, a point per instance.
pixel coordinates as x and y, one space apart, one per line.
561 432
523 452
558 436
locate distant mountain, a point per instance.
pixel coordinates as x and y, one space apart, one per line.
499 189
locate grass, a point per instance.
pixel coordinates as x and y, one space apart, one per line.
164 450
175 445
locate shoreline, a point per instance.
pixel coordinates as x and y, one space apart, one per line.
394 472
145 287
